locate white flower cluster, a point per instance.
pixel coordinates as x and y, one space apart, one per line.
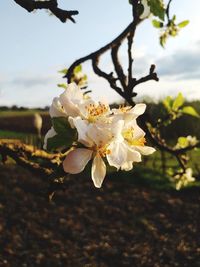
183 179
187 141
104 135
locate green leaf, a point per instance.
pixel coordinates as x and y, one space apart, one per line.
77 69
61 125
178 102
173 18
65 134
157 8
63 71
183 23
62 85
190 111
163 39
157 24
57 142
167 102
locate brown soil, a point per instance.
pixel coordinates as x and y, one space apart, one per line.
118 225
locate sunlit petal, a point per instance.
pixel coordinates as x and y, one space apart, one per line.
98 171
56 109
127 166
70 108
99 134
82 129
145 150
118 154
138 109
76 160
133 155
49 134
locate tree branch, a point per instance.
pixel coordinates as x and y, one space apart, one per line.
11 150
167 9
118 68
99 52
108 77
52 5
151 76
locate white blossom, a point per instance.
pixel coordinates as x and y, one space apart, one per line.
104 135
183 179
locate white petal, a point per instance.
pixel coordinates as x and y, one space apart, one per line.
138 109
70 100
70 108
137 131
98 171
49 134
127 166
100 134
118 154
116 129
145 150
82 127
76 160
71 122
74 92
56 109
133 155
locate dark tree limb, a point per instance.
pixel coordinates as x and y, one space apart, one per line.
118 67
12 151
130 58
99 52
52 5
167 9
109 77
151 76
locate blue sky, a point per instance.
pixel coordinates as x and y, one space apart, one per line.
35 46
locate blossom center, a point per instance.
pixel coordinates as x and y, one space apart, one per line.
124 109
94 111
128 135
102 149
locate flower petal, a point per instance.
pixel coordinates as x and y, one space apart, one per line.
82 129
70 108
98 171
118 154
127 166
76 160
133 155
145 150
70 99
49 134
138 109
99 133
56 109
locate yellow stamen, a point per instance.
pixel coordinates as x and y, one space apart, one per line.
94 111
124 109
128 135
102 149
